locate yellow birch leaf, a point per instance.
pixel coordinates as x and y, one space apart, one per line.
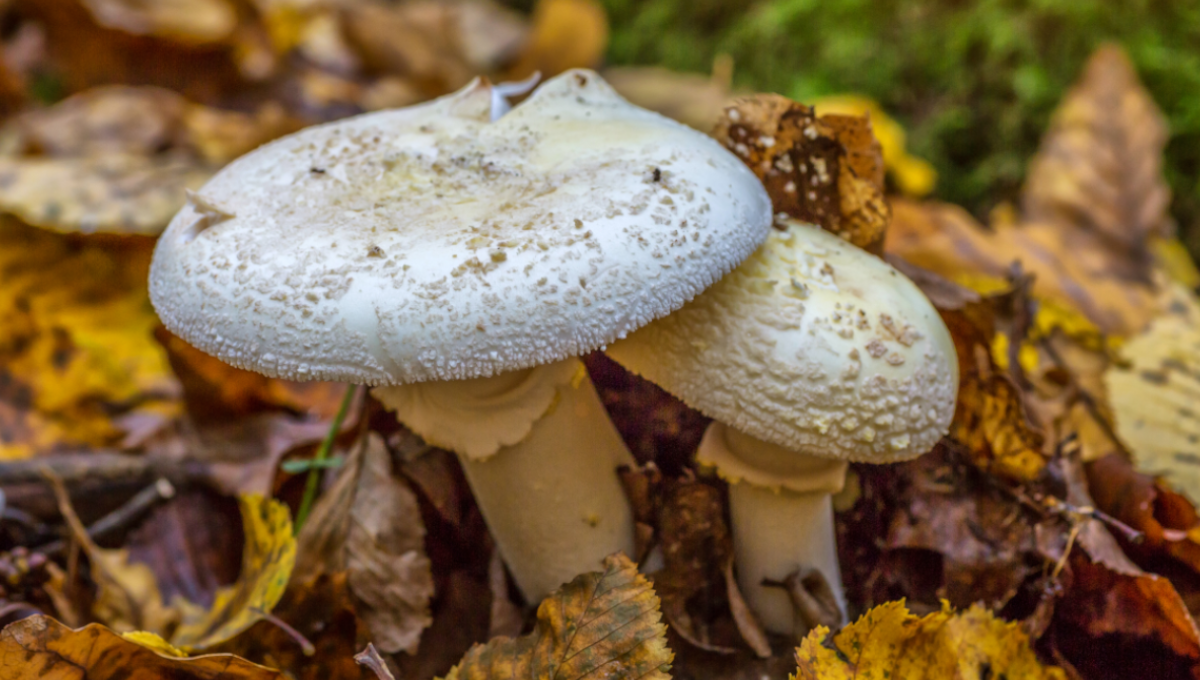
78 357
889 642
267 561
40 648
566 34
602 624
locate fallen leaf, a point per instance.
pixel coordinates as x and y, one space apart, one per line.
600 623
1154 390
825 170
267 560
914 176
128 596
41 648
76 348
890 642
369 526
566 34
1100 163
120 159
1168 522
188 21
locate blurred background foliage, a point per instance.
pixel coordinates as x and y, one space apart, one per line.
973 82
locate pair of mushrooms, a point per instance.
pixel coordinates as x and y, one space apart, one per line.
460 256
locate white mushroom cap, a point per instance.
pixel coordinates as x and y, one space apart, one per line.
429 243
813 345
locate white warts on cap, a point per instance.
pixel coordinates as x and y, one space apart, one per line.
812 345
430 243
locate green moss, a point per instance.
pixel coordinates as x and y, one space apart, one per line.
973 82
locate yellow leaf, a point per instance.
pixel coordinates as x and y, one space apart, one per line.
155 642
1154 393
914 176
888 642
40 648
188 21
267 561
77 351
602 624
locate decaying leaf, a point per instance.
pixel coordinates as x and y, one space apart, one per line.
78 363
119 159
890 642
1155 392
602 623
913 176
40 648
369 526
825 170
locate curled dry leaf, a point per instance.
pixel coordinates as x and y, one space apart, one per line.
128 596
826 170
41 648
119 159
890 642
913 176
369 526
267 560
78 363
601 624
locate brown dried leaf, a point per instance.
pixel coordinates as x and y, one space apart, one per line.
43 649
603 623
1100 165
369 526
825 170
119 159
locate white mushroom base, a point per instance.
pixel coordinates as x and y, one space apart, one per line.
781 510
541 457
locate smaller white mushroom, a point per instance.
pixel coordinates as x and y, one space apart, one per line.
810 354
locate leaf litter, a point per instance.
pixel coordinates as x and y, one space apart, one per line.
1056 516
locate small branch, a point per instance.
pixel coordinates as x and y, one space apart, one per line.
370 658
123 516
305 646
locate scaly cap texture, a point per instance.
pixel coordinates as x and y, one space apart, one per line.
429 243
811 344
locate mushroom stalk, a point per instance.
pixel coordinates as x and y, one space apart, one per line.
781 512
541 457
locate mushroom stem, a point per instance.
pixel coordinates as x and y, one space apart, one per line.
781 513
541 457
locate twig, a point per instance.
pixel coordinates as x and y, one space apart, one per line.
145 499
305 646
370 658
314 475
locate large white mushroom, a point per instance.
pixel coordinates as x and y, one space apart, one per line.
464 258
810 354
